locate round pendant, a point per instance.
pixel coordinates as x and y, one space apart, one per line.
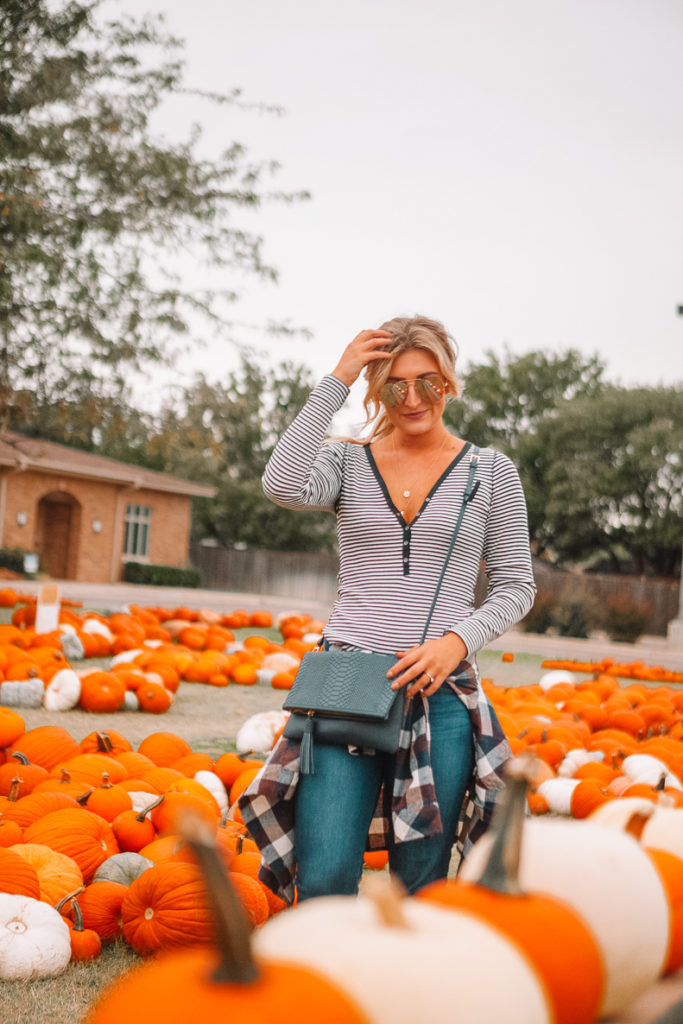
406 494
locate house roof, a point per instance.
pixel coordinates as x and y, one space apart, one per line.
22 453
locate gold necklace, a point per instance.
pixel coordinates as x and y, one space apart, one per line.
423 473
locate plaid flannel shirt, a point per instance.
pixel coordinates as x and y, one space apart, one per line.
409 813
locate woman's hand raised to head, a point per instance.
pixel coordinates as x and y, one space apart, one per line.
365 347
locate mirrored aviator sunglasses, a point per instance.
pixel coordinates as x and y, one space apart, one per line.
430 388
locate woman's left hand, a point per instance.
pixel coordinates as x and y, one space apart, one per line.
424 668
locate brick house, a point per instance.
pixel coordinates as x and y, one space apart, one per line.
85 515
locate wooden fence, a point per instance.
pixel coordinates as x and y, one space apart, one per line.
314 577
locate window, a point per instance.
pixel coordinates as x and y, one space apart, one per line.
136 533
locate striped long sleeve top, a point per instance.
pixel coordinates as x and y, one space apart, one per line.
388 569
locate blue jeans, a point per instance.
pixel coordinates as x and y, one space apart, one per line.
334 808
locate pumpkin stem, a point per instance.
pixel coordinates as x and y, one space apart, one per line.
21 758
232 931
104 743
106 781
388 895
501 871
84 797
13 794
150 807
65 777
69 896
661 783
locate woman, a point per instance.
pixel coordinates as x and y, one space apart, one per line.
396 496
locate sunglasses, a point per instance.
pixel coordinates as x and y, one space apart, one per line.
430 388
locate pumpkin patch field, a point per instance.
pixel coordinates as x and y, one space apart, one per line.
129 887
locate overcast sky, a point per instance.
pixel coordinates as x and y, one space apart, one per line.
511 167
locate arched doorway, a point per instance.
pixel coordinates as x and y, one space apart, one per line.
57 534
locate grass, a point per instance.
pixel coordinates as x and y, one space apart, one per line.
66 998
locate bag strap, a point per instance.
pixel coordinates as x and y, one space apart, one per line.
467 497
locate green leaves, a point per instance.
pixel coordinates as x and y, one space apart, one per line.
99 214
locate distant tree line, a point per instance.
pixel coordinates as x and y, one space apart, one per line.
601 465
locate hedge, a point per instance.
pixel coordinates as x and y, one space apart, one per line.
159 575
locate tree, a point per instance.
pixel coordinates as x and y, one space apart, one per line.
505 398
604 477
223 434
95 210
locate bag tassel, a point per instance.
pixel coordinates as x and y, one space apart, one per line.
306 765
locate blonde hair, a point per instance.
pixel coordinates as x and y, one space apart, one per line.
407 333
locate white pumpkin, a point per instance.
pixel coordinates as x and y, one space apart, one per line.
280 661
558 675
258 732
95 626
611 881
71 643
124 657
648 770
575 759
63 692
209 780
130 701
444 957
22 693
558 794
122 867
663 829
35 941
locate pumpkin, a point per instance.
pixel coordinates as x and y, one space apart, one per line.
108 800
19 766
571 969
85 942
134 829
63 691
223 983
210 781
89 768
611 882
258 732
102 692
10 832
166 908
57 873
47 745
123 868
22 693
81 835
100 904
358 941
17 875
12 727
29 808
105 741
163 748
153 697
34 939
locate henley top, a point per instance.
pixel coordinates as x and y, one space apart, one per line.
388 568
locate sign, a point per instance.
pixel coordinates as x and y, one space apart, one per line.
47 609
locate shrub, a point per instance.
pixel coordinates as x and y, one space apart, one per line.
540 618
13 559
625 619
159 575
576 611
